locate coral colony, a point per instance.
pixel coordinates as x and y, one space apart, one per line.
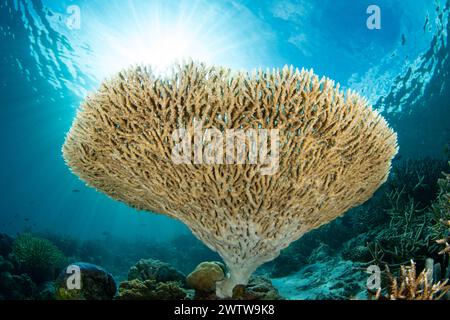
208 147
334 152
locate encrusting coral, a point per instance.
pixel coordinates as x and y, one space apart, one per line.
334 152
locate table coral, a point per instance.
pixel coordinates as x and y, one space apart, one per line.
333 152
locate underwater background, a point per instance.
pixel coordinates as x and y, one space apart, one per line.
53 53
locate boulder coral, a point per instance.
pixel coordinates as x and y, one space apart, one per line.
329 153
151 269
95 284
205 276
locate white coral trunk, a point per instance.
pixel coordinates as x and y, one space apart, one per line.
236 276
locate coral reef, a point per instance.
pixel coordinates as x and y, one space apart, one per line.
335 151
440 210
417 178
150 290
385 230
69 246
408 222
184 252
410 286
327 263
150 269
203 279
406 236
151 279
15 285
38 257
96 284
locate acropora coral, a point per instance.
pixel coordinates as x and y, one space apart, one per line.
411 211
334 152
410 286
445 241
440 211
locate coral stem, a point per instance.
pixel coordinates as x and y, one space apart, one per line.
236 276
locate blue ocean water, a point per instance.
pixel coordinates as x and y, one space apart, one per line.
53 53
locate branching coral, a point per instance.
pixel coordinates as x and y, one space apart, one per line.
413 226
440 210
445 241
417 179
406 236
334 152
409 286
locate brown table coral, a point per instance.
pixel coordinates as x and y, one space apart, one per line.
331 153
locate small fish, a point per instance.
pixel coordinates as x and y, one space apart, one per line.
426 23
403 39
75 191
398 158
26 219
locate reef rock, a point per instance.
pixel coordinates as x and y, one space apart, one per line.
150 290
205 276
6 265
258 288
149 269
46 291
96 284
16 287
